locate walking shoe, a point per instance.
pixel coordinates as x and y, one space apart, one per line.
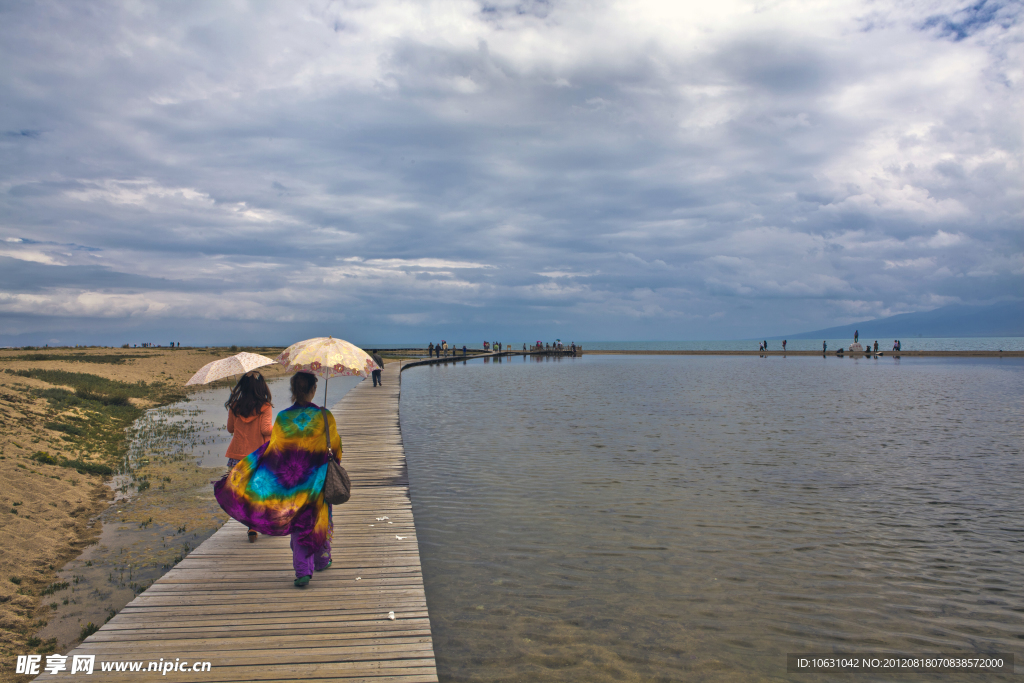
302 581
327 567
252 536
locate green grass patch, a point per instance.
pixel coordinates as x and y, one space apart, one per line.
100 428
54 587
72 429
80 465
96 388
100 412
112 359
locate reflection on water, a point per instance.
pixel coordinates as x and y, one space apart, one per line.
696 518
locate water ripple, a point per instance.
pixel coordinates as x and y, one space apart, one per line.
667 518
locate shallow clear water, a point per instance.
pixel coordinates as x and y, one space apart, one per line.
696 518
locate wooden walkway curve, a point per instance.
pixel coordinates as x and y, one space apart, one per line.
232 603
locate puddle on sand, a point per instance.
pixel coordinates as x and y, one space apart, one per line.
164 508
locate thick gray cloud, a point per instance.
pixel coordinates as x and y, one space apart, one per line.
396 171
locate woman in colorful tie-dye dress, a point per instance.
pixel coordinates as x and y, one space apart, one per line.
278 489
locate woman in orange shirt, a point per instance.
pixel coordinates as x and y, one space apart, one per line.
250 420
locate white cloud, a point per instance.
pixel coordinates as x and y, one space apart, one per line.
33 255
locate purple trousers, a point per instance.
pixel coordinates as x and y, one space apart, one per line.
305 561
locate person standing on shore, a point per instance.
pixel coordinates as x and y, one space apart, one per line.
250 420
824 346
876 346
856 336
278 489
376 373
430 350
783 345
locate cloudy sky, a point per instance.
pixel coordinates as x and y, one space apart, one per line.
218 172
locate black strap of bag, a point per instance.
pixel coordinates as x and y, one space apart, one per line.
337 484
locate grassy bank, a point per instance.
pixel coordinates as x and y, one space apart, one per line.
89 413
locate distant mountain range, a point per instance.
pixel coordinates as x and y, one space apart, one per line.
999 320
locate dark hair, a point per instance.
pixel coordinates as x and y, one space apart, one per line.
249 395
303 384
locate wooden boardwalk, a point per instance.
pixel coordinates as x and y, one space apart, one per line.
232 603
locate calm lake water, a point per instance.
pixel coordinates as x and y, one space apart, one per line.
884 344
616 518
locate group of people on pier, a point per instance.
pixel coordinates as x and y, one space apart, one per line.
442 349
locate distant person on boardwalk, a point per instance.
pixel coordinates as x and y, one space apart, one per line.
278 489
376 373
444 346
250 420
430 350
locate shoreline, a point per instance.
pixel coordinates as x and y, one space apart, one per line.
830 352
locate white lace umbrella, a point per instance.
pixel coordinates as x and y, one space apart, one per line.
238 364
327 357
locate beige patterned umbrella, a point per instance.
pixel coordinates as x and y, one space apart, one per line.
327 357
238 364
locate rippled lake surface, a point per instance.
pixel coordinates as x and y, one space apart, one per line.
617 518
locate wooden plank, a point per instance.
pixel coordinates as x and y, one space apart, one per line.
232 603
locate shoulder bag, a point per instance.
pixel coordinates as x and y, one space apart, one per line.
337 484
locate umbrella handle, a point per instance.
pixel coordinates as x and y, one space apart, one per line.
325 390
